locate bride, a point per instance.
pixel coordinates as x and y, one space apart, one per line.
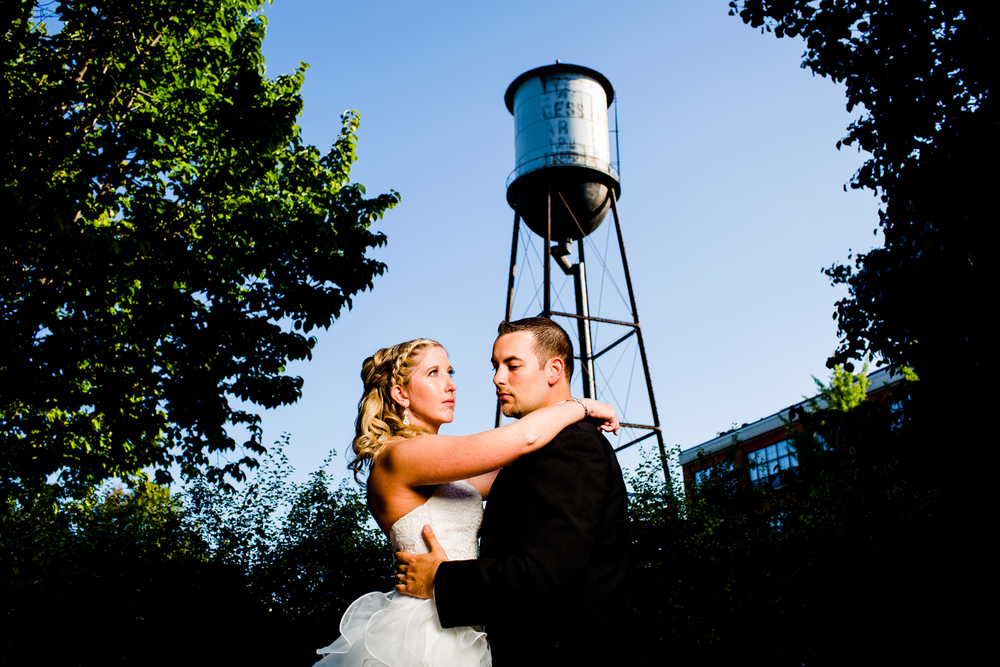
417 477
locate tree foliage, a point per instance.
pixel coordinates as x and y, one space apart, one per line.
305 549
920 71
846 390
702 565
145 576
920 74
107 575
840 559
170 241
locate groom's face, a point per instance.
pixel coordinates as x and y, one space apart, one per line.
522 385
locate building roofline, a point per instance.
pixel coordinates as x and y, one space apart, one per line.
881 378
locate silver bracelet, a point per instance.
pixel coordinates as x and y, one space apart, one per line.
586 412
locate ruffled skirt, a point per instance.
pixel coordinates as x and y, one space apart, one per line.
395 630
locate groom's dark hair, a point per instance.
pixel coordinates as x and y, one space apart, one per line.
550 340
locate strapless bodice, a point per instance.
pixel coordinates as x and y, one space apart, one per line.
454 510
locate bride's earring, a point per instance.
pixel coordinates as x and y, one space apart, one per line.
406 417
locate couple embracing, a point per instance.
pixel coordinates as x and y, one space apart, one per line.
548 580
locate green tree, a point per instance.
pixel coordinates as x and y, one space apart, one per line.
846 390
706 570
145 576
920 72
169 243
842 562
110 573
305 550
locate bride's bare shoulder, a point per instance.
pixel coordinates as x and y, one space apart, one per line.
389 497
388 457
401 455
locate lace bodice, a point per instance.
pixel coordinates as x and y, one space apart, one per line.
455 510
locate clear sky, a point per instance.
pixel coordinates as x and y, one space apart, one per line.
732 195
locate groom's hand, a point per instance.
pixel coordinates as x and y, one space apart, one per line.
416 571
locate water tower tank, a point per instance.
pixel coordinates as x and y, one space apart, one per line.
561 142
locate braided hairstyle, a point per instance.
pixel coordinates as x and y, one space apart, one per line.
380 418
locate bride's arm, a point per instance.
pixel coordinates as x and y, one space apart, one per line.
435 459
484 483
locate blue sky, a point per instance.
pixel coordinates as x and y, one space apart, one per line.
732 196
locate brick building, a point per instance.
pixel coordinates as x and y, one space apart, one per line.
766 440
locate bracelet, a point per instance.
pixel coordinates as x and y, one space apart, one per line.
586 412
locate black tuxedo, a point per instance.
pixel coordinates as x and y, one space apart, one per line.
550 581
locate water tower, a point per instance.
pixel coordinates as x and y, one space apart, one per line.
562 187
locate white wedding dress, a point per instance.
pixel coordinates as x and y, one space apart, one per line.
395 630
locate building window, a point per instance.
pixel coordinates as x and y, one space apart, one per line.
702 475
896 410
766 462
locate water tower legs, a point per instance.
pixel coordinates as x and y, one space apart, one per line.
642 347
583 325
588 358
510 278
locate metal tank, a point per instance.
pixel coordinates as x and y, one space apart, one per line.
561 148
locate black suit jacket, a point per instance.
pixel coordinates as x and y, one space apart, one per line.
550 581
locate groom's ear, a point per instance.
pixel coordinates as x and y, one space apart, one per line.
555 370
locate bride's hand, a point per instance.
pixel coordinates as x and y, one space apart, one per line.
604 412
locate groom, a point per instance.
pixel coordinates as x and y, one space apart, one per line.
550 581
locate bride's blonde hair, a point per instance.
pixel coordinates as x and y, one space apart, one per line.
380 418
